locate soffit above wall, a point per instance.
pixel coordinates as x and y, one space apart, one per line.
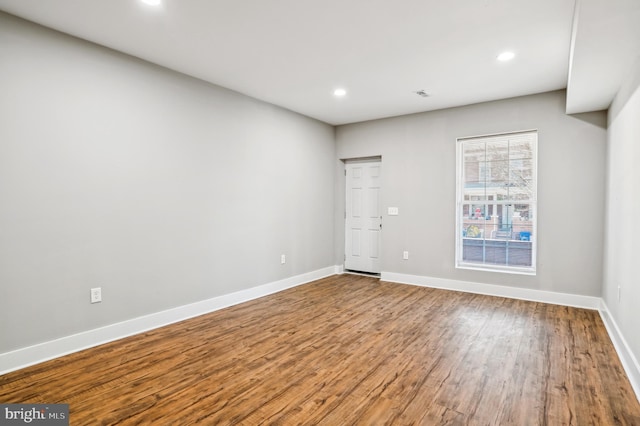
605 45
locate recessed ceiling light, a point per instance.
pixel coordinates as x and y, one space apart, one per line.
339 93
506 56
152 2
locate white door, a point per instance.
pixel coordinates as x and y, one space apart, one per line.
363 219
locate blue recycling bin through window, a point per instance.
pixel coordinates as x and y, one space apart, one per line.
525 236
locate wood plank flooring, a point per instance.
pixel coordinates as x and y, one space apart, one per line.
349 350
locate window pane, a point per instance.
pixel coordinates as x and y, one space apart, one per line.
521 179
520 148
475 171
475 187
498 151
499 170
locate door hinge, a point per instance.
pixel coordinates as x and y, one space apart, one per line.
345 257
345 172
345 215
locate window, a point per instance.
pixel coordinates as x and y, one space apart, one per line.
496 202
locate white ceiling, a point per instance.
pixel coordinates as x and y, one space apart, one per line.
294 53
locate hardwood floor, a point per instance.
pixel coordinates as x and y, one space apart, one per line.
349 350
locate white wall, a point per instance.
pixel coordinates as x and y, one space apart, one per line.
418 156
159 188
622 243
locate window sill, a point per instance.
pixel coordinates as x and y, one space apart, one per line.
496 268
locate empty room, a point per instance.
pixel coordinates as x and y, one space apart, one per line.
286 212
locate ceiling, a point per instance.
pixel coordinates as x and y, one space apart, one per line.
295 53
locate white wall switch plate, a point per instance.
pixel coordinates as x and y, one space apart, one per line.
283 259
405 255
392 211
96 295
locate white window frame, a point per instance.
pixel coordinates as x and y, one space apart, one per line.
460 179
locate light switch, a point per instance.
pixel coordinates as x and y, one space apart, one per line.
392 211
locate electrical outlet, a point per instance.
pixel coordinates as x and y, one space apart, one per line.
96 295
283 259
405 255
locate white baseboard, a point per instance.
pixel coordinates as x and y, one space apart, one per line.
628 360
565 299
24 357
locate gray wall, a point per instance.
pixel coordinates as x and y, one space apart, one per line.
419 174
160 188
622 244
